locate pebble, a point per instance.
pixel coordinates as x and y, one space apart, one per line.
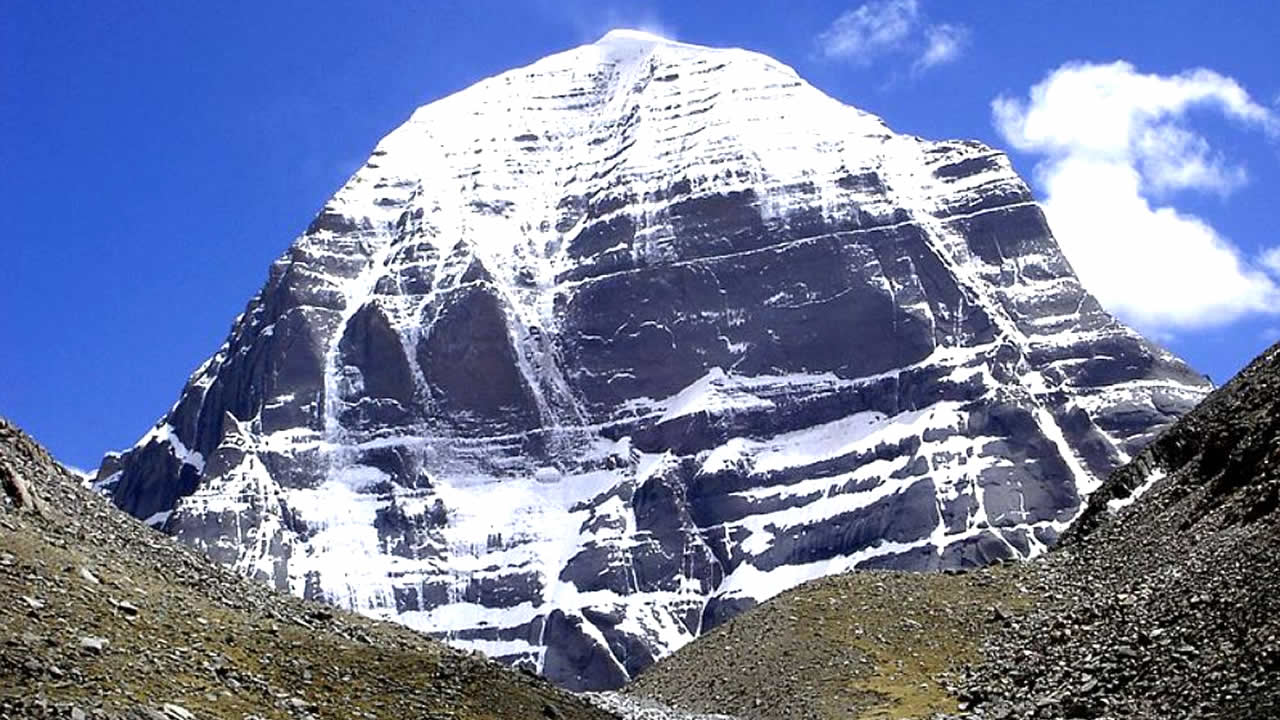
94 645
176 712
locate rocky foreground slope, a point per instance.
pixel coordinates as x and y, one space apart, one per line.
594 354
101 616
1163 603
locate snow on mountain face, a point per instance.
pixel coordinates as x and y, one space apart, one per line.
600 351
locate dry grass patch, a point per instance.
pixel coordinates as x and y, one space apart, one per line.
861 645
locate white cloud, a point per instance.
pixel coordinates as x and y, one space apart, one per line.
946 42
1174 158
883 27
1271 260
589 19
1115 145
861 34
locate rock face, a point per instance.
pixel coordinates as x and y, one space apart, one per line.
598 352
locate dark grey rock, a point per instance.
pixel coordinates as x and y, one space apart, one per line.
575 659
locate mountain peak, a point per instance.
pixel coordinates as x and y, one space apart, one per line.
598 352
625 46
632 36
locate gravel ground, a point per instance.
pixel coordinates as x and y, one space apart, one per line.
638 708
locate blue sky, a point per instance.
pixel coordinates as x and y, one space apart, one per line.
158 156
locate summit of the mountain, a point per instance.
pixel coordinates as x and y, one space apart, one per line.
600 351
632 35
626 41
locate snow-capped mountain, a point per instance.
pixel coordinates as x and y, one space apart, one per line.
599 351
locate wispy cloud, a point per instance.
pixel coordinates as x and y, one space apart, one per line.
891 27
1271 260
590 20
1115 146
868 31
946 42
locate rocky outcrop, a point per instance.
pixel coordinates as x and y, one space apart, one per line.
18 492
598 352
